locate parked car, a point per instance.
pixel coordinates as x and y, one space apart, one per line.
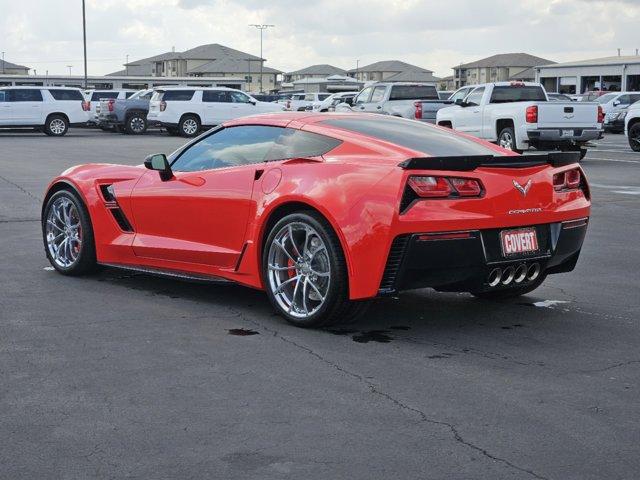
559 97
329 104
617 100
94 97
614 120
632 126
397 99
326 212
186 110
427 110
50 109
445 94
518 115
128 115
303 101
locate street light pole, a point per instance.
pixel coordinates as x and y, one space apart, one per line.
69 67
3 63
84 41
262 27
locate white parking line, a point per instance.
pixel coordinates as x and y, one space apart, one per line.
611 160
622 150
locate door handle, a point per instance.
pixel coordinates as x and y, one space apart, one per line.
476 111
379 107
361 108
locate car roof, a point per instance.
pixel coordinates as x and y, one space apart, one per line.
186 87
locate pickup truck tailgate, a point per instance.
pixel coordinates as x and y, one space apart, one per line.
567 114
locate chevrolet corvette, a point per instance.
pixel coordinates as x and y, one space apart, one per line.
326 212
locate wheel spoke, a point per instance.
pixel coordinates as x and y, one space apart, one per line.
53 224
295 293
281 269
285 283
282 247
293 242
316 289
320 274
304 295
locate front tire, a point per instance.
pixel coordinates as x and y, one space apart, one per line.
634 137
189 126
68 234
507 139
136 124
305 273
56 125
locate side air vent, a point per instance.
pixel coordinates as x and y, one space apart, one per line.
121 220
112 205
107 193
394 262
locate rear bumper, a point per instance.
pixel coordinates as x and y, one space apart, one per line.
464 263
554 135
108 120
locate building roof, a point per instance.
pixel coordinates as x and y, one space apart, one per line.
389 66
507 60
330 79
413 76
616 60
321 69
4 64
218 52
228 65
526 74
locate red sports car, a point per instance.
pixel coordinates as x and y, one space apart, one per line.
325 212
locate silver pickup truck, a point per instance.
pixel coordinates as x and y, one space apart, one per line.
128 115
397 99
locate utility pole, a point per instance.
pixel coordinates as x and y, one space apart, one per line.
69 67
3 63
262 27
357 68
126 66
84 40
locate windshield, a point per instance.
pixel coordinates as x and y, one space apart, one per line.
606 98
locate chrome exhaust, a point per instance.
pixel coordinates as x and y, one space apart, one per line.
533 271
507 275
494 277
521 273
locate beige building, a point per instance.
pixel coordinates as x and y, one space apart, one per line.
8 68
498 68
211 60
314 71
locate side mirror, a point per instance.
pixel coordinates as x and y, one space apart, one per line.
616 103
460 102
159 163
349 101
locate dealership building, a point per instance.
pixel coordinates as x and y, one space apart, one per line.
615 74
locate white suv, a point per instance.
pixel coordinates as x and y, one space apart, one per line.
185 110
51 109
94 97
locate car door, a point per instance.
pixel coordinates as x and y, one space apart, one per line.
241 105
469 118
200 215
217 106
6 110
375 103
362 99
26 106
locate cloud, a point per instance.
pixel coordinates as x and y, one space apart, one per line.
432 34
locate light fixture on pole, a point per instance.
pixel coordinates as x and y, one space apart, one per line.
84 42
262 27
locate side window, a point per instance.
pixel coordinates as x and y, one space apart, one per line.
378 94
2 96
624 99
460 94
299 144
216 96
363 96
230 147
147 96
474 98
66 95
24 95
239 97
178 95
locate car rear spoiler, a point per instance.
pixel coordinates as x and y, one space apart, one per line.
467 163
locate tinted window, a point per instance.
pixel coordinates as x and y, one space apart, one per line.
100 95
507 94
217 96
66 95
178 95
298 144
475 97
323 96
413 92
24 95
414 135
229 147
128 94
2 96
378 94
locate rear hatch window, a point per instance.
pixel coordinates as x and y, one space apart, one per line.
413 92
418 136
100 95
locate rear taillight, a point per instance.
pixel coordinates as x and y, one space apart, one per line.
86 106
532 114
418 112
163 106
568 180
600 114
110 105
445 187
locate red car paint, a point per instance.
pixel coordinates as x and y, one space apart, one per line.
213 222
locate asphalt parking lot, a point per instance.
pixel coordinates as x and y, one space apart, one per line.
124 375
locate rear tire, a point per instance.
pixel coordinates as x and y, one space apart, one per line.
634 137
189 126
513 292
507 139
305 272
136 124
56 125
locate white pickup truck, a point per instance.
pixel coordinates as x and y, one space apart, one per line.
397 99
519 115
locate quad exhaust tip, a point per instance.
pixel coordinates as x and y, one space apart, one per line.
507 275
513 274
533 272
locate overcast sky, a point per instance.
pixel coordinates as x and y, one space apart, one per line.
47 34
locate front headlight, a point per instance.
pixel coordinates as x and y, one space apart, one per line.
622 115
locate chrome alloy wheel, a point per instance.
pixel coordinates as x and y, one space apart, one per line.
299 270
190 126
64 232
136 124
506 141
57 126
